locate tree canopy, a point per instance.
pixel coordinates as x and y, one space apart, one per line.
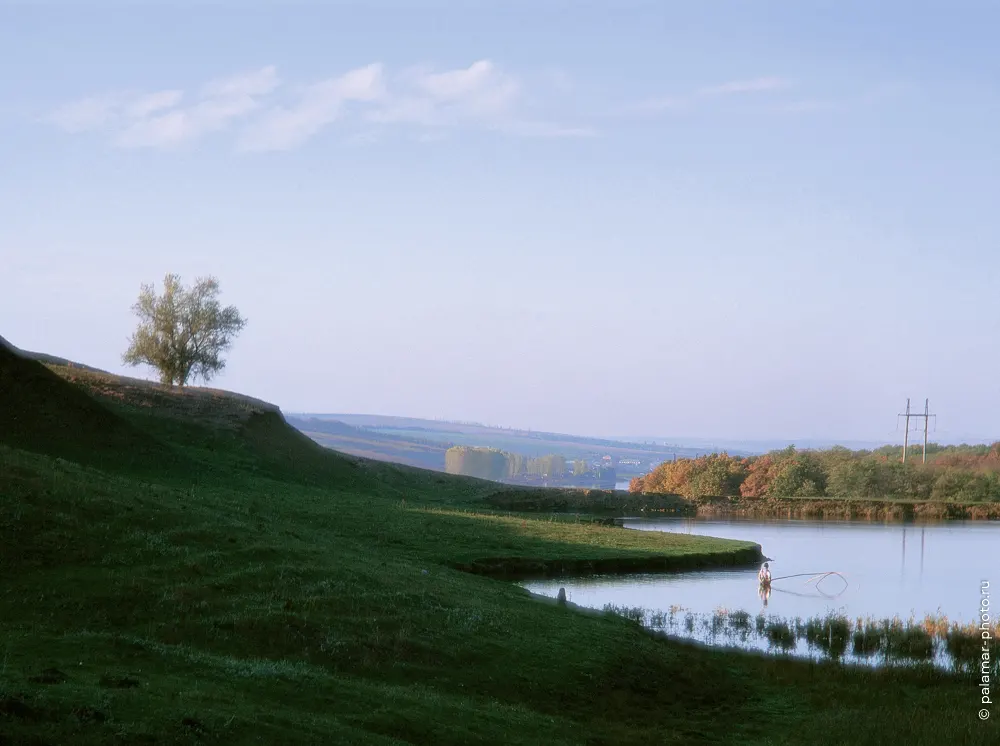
966 473
183 332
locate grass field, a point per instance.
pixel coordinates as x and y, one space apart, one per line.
186 568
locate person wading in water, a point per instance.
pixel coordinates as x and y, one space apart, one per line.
764 576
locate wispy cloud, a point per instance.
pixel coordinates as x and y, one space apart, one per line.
753 85
267 114
315 106
161 119
222 103
479 94
143 106
692 99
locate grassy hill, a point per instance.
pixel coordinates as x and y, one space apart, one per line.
184 567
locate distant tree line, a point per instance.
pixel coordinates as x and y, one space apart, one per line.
492 463
956 473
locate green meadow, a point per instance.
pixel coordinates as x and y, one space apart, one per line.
183 567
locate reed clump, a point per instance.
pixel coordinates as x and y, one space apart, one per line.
829 634
907 640
780 634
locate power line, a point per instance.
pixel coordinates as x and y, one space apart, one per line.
906 433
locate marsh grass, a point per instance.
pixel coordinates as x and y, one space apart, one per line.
867 638
780 634
933 639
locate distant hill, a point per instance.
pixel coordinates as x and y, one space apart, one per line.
421 442
365 443
751 447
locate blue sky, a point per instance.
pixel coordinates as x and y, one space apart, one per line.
739 220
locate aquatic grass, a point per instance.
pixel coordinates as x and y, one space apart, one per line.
634 614
936 625
867 638
907 640
740 621
657 618
965 644
931 641
800 628
829 634
720 619
689 622
780 634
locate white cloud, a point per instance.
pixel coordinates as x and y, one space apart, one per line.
479 93
317 105
255 83
143 106
222 102
754 85
268 115
480 87
157 120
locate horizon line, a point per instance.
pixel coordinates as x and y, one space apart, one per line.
664 440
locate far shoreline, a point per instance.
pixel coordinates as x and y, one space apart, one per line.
615 504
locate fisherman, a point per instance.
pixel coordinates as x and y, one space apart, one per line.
764 576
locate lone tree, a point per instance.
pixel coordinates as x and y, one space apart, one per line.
183 333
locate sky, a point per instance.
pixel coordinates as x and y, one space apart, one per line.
749 220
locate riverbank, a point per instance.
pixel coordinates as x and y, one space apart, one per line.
847 509
617 503
591 501
518 568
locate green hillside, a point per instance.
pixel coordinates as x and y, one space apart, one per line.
40 413
183 567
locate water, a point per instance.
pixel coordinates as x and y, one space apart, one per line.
890 570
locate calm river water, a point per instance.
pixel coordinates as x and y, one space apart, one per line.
890 570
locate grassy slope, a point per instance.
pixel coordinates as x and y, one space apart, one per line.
259 589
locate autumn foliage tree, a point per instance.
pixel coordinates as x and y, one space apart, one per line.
183 332
964 473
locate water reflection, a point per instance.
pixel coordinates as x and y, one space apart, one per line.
765 593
